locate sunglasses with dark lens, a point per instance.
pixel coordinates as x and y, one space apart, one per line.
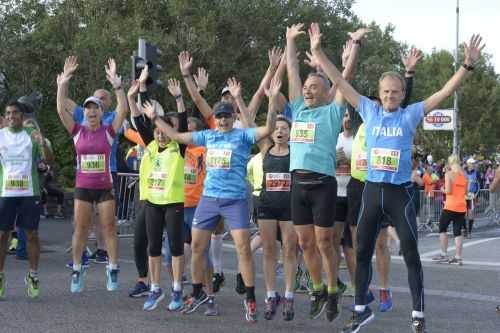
223 115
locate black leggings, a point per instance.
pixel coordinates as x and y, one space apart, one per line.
158 217
141 239
394 201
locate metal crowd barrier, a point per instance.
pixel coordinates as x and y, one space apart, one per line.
127 196
486 209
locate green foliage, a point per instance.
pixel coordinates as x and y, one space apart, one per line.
227 37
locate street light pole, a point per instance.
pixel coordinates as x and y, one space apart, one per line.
456 143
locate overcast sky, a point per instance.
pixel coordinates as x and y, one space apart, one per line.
429 24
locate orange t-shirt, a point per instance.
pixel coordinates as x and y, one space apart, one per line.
455 201
428 183
194 175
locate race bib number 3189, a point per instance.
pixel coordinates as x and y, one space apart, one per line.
385 159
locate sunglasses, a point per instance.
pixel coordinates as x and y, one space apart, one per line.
223 115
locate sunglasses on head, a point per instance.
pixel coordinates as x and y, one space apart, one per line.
223 115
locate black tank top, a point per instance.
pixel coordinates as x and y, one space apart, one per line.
277 181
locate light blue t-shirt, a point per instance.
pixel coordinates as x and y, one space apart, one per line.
313 138
389 140
226 161
107 119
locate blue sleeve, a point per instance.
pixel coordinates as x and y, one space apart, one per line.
415 112
200 138
78 114
365 107
249 135
287 112
337 112
296 105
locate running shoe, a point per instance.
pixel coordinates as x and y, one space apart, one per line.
13 246
349 291
385 300
369 298
318 303
2 285
455 261
193 303
298 279
139 290
440 259
77 281
240 285
288 312
211 307
418 325
333 306
176 303
218 281
341 286
33 285
271 306
111 279
358 320
309 282
250 311
84 262
100 257
154 298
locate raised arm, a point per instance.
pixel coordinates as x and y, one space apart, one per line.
121 99
472 54
174 88
235 90
185 138
70 66
273 93
131 95
274 55
351 95
185 64
292 63
410 62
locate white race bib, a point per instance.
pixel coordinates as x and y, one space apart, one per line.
219 159
278 182
93 163
303 132
384 159
361 161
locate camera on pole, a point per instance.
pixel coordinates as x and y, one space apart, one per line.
147 55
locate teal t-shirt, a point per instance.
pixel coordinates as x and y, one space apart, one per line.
313 138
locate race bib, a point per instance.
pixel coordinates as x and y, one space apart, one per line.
278 182
219 159
190 175
361 161
385 159
93 163
157 181
17 183
303 132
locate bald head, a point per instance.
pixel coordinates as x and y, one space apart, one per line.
105 97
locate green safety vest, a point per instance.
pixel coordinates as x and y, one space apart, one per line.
359 162
162 174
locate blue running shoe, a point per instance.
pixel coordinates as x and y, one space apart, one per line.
176 303
84 262
111 279
369 298
77 281
153 300
385 300
140 289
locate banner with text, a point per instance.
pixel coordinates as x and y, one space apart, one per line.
440 120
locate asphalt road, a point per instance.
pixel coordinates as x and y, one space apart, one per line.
458 299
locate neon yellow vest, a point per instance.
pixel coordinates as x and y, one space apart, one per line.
359 162
162 174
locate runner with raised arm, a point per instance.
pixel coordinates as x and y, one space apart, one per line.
224 193
94 183
390 130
